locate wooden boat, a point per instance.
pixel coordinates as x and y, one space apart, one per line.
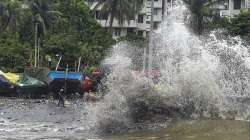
70 81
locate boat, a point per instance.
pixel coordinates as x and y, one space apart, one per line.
6 87
70 81
12 77
30 87
87 84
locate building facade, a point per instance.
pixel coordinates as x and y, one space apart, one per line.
229 8
140 24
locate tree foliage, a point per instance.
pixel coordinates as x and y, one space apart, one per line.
240 24
65 27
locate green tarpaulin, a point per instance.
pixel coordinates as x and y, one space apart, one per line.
27 81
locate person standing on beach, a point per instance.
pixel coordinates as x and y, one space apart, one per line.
61 102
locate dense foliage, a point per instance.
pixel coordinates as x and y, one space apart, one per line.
240 24
64 27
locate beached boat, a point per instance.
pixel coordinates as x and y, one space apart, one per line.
6 87
12 77
30 87
70 81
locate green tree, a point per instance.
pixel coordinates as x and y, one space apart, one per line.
65 26
240 24
9 15
13 54
77 33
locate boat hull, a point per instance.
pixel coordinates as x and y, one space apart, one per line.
71 81
72 86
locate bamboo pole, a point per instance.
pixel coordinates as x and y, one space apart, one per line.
58 63
38 52
35 46
79 64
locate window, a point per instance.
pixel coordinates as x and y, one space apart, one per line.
117 32
140 33
97 14
155 11
130 30
140 19
104 16
156 25
101 16
237 4
147 22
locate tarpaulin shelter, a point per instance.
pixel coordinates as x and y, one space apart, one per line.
27 85
5 85
11 77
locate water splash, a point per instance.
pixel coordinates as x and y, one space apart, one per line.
200 77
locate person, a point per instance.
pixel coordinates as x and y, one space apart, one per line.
97 77
61 101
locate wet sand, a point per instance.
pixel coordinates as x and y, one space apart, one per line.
40 119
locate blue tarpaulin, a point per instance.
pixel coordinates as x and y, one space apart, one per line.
63 75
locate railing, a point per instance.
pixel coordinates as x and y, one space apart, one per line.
131 24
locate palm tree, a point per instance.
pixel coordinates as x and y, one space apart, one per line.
122 10
43 16
9 15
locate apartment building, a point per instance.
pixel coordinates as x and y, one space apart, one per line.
229 8
140 24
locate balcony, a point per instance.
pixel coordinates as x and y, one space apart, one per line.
224 13
157 4
143 26
131 24
158 17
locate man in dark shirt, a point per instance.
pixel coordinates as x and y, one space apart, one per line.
61 98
